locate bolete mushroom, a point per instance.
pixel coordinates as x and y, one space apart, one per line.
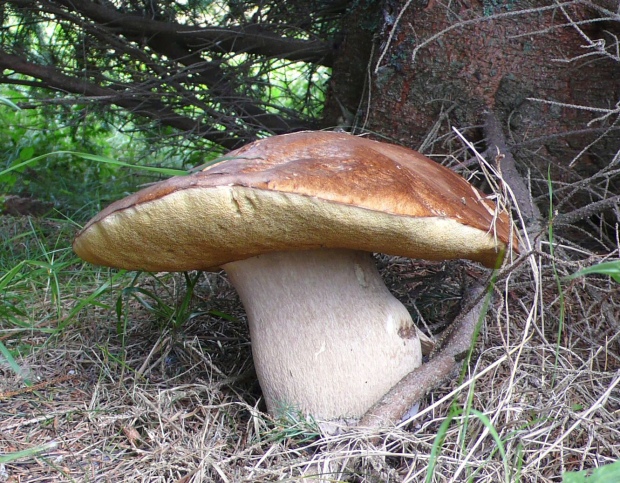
293 220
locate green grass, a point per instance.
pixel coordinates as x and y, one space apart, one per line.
464 416
604 474
27 453
44 286
29 160
556 276
611 269
42 289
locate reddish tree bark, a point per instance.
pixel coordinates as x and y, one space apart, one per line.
496 55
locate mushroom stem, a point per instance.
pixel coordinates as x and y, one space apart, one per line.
328 338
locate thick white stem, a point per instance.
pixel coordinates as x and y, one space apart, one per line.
328 338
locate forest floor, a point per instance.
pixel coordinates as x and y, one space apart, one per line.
104 378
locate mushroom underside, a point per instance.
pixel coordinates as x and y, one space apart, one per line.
328 338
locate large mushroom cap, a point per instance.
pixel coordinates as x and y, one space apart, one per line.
299 191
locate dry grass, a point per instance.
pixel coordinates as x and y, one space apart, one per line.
165 401
165 404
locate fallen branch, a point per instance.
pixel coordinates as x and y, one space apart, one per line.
586 211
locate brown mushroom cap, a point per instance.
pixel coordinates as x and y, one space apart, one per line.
299 191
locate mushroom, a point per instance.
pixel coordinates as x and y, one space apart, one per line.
293 220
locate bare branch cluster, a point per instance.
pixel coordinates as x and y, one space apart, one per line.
228 72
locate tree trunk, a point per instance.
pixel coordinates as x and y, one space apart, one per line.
438 65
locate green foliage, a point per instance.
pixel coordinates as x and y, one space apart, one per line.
28 160
228 92
556 275
41 261
170 310
604 474
7 102
229 88
466 413
611 269
285 86
38 152
27 453
292 425
455 413
40 159
42 288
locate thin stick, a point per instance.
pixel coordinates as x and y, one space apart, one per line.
37 387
